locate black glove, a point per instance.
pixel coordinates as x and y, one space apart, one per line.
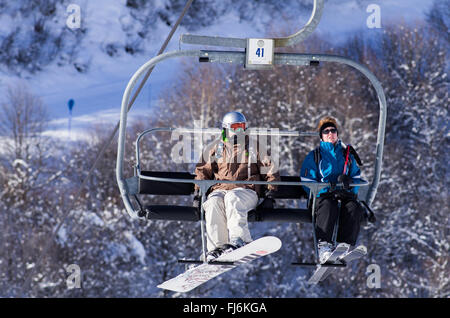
269 201
345 180
270 194
342 194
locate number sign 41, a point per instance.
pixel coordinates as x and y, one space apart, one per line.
259 53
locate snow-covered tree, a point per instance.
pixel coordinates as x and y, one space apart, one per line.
39 37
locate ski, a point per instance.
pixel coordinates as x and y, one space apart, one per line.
200 274
340 250
354 254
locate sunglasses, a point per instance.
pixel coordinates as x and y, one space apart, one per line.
327 131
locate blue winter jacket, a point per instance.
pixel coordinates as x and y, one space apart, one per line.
331 166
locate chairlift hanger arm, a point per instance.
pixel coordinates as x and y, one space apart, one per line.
291 40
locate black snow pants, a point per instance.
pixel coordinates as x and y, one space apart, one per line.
351 215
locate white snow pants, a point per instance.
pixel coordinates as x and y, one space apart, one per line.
226 216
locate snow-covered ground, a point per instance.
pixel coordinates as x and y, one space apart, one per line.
98 92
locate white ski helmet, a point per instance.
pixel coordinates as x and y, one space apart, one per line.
233 118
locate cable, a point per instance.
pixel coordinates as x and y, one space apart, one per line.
29 277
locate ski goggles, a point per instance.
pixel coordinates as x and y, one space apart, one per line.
237 127
327 131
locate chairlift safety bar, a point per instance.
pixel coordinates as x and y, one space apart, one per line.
217 131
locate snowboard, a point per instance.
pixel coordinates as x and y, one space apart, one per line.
200 274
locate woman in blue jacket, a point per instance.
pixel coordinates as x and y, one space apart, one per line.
333 162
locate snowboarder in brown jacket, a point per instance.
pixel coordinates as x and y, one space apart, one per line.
227 204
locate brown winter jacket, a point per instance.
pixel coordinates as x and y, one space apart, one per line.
233 165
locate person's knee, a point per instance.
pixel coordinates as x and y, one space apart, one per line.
328 206
214 201
213 207
354 210
241 198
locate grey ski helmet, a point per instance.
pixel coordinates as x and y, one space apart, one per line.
232 118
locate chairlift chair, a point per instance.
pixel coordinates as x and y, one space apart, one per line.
182 183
